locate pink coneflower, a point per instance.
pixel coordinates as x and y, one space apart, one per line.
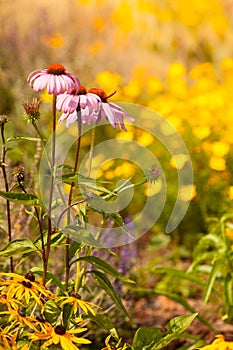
55 78
108 110
70 102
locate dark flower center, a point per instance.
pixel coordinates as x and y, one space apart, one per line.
27 284
60 330
99 92
56 69
228 337
21 313
29 276
82 90
40 319
75 295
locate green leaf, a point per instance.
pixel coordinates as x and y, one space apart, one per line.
104 283
101 320
51 311
218 266
102 265
154 339
81 235
227 216
49 276
74 247
180 323
82 181
18 247
21 198
228 289
145 336
176 298
23 138
66 313
181 274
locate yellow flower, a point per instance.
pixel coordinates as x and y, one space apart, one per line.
217 163
108 80
219 344
220 148
9 302
7 339
59 335
77 303
24 288
230 192
116 346
19 318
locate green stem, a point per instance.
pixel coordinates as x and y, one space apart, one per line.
67 260
91 151
39 224
3 166
80 272
50 230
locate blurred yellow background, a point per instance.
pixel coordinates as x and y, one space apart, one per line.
173 56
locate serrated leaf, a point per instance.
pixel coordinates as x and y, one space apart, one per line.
18 247
102 265
21 198
104 283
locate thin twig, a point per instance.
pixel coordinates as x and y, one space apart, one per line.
3 166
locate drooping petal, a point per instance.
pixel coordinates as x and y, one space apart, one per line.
108 113
126 115
71 119
63 117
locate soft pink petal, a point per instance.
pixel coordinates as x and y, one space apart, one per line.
35 74
71 119
61 100
119 109
51 84
73 104
74 80
108 113
40 83
63 84
62 117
